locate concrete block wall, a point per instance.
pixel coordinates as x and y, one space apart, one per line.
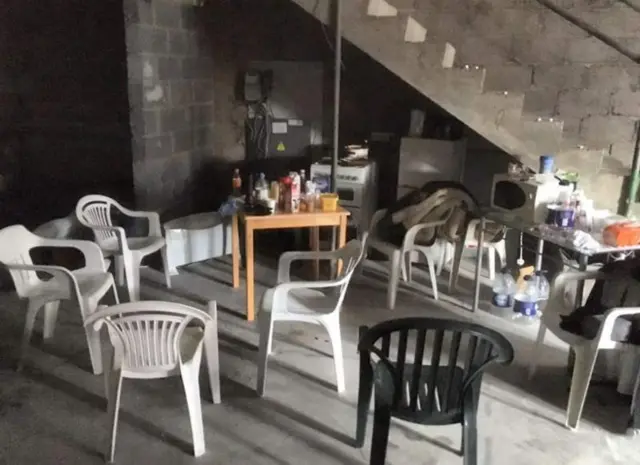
170 68
565 72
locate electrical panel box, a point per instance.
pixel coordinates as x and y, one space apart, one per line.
288 137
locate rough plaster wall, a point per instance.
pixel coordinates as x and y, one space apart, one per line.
171 96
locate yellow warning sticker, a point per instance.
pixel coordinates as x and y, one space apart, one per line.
280 147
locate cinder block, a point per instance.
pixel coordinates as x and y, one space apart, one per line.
539 50
203 91
566 76
180 92
174 119
166 14
509 78
612 77
626 103
178 42
541 102
616 20
169 68
607 129
581 102
590 50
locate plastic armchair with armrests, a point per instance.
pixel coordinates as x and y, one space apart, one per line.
153 340
397 255
94 211
586 350
444 389
305 301
85 286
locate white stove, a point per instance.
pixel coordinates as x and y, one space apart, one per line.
356 184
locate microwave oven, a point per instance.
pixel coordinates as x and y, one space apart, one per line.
525 199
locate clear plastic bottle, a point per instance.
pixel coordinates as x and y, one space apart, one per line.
525 302
543 286
262 188
504 287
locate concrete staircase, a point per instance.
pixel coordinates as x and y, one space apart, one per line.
396 36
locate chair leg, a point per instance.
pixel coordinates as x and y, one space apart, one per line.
470 439
190 371
50 317
533 364
95 350
501 251
381 425
165 266
582 371
113 379
365 388
265 323
333 328
491 262
455 267
394 276
406 267
118 264
433 277
132 275
32 312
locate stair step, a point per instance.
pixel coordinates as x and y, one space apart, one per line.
575 157
515 78
381 9
414 31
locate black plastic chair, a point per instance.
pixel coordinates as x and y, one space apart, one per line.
443 392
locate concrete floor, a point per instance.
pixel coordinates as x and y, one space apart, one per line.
53 412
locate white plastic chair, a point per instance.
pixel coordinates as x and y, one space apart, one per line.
94 211
304 301
397 256
492 249
154 340
586 350
85 286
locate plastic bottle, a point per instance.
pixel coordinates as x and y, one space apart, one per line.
525 303
504 287
236 184
262 188
303 182
542 284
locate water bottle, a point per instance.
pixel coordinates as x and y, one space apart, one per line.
503 289
526 300
542 284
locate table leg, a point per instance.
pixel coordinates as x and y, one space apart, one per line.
342 240
314 245
476 290
250 273
235 251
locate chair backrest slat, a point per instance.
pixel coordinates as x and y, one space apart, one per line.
400 362
386 344
454 350
416 383
432 385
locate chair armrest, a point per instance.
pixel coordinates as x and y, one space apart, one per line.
59 272
285 260
410 236
93 257
280 291
606 329
153 217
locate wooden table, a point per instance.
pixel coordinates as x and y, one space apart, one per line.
279 220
